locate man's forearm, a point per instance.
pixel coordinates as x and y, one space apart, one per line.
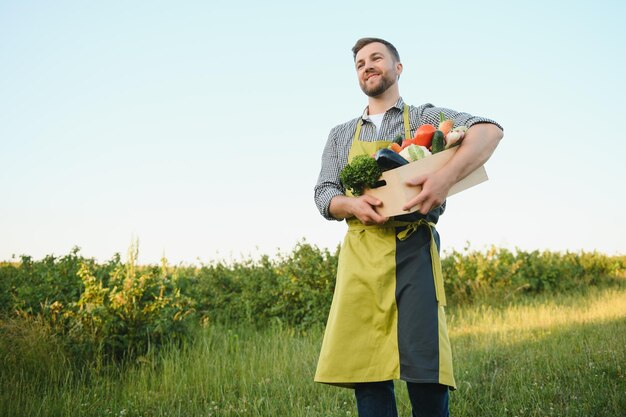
340 207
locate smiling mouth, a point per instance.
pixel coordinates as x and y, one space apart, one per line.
371 76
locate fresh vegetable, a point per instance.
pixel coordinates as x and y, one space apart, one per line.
388 159
414 152
438 142
454 137
395 147
423 135
445 125
363 171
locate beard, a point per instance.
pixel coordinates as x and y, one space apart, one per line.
384 82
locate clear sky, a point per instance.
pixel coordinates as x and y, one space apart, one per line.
197 127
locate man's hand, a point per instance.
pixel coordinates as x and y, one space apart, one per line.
362 208
435 188
479 143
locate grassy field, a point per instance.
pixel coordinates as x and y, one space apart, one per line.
558 356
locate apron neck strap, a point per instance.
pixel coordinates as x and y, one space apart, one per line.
407 125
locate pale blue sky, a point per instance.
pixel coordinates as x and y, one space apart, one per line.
197 126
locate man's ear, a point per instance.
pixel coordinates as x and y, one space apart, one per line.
398 69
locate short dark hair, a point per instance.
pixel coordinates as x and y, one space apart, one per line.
366 41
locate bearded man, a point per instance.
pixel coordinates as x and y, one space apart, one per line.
387 319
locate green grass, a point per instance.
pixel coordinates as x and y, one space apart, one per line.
561 357
550 356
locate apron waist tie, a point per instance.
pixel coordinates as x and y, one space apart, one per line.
404 234
440 292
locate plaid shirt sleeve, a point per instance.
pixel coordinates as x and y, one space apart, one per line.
328 183
429 114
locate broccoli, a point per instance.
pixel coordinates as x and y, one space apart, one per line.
362 172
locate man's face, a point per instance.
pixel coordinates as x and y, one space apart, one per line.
376 69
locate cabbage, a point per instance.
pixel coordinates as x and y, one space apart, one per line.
415 152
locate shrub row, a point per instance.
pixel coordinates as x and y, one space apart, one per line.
105 311
498 272
119 309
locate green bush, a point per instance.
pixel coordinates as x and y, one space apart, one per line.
134 309
30 285
477 275
112 311
116 310
295 289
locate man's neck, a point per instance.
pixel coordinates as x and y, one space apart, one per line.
383 102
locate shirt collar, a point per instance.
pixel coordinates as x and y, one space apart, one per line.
399 105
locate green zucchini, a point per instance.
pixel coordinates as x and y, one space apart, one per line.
438 143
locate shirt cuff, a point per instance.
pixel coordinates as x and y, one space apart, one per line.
323 202
476 120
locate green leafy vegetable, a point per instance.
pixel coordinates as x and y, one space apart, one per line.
362 172
414 152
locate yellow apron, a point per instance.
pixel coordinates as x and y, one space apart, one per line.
387 318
